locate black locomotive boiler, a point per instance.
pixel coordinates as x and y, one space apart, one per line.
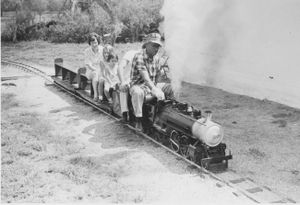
176 125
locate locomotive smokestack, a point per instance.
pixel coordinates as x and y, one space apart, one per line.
189 110
208 115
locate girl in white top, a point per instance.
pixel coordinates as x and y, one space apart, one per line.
92 57
110 74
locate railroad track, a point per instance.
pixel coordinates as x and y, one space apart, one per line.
28 69
243 185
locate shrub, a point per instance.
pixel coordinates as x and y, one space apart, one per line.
133 16
13 31
8 33
73 29
69 33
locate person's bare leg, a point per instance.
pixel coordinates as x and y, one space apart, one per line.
78 78
101 88
95 87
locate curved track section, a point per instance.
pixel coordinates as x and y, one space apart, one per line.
28 69
242 185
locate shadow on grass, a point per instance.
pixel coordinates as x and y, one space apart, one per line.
111 134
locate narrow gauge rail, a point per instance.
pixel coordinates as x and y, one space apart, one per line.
242 185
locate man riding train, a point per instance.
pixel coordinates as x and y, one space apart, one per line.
145 72
175 124
138 73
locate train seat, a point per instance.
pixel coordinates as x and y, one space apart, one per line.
72 78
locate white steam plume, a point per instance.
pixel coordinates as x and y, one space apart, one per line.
197 33
248 47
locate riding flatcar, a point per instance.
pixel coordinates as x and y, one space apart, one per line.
174 124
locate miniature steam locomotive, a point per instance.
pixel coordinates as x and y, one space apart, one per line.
176 125
183 128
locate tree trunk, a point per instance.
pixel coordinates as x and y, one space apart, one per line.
63 7
14 34
74 5
137 31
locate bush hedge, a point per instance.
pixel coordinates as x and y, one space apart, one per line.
72 27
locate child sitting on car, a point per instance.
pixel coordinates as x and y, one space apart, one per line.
111 79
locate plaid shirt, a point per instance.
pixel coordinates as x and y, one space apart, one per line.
142 62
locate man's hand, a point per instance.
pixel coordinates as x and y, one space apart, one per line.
158 93
123 87
90 67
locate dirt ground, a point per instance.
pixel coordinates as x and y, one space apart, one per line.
92 158
264 136
57 149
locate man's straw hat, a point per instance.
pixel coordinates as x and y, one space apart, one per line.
153 38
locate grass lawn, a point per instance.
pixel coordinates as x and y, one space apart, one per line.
25 141
43 53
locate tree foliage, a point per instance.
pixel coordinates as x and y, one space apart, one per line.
83 16
55 5
138 12
9 5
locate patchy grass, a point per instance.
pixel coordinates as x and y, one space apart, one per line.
27 147
8 101
39 163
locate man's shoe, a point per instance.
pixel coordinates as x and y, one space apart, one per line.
124 117
139 125
96 99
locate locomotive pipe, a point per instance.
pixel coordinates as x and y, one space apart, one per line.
174 133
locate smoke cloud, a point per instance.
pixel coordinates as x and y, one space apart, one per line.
247 47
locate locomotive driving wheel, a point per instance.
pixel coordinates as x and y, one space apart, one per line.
204 164
183 150
157 136
183 146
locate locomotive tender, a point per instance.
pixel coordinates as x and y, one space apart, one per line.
176 125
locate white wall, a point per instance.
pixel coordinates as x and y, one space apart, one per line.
249 47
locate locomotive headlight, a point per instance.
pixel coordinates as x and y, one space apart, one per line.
207 131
